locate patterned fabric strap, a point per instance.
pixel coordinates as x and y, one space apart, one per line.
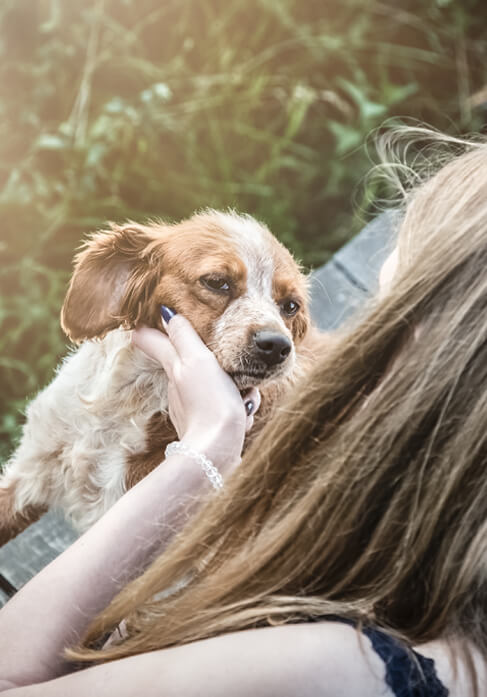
408 673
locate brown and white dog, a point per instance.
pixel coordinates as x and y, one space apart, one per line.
101 425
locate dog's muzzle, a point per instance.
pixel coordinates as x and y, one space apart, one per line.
263 359
271 348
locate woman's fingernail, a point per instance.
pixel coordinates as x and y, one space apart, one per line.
249 407
167 313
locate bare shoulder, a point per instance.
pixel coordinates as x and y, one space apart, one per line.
453 662
325 659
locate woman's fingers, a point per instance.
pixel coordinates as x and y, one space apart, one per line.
251 401
183 337
156 345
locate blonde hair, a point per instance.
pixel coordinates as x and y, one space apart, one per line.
365 496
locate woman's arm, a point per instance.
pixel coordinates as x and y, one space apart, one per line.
308 660
53 610
56 606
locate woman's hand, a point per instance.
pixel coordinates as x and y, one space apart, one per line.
205 406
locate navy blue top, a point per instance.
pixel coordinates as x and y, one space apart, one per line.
408 673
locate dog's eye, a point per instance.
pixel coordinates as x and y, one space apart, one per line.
218 284
290 307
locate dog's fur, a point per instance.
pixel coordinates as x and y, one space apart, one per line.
102 424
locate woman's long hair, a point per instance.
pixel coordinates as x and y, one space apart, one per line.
366 495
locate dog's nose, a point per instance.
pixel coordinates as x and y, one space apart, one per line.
272 348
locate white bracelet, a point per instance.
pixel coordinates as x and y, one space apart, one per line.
178 448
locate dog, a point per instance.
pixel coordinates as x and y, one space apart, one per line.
102 424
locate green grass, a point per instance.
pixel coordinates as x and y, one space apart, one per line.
122 109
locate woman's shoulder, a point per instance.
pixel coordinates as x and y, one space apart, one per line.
453 661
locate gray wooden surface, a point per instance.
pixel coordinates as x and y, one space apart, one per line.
28 553
338 289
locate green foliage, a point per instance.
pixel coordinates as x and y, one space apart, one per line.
115 109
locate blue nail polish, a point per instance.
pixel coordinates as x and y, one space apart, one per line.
167 313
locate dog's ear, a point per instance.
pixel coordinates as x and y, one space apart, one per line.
114 276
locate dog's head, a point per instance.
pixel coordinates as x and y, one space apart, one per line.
239 287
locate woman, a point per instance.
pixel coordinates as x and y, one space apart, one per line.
347 555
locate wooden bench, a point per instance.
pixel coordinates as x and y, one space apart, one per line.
338 289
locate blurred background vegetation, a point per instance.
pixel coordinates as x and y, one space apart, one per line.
115 109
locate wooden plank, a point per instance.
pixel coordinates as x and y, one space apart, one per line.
334 297
5 586
27 554
362 258
340 287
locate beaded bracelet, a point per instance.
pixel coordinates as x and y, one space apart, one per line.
178 448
